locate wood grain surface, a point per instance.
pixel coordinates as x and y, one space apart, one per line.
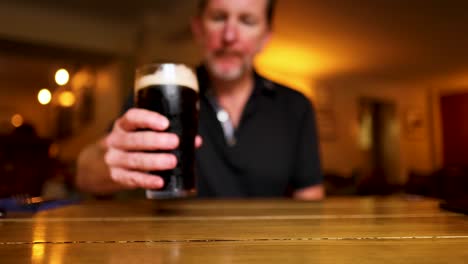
337 230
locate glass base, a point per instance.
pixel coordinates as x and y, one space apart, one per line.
158 194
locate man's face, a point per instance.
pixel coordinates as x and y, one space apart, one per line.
231 33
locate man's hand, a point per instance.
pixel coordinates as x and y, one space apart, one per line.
311 193
135 133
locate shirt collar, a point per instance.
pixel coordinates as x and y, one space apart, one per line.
262 86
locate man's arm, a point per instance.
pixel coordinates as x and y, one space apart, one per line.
121 160
312 193
308 180
93 174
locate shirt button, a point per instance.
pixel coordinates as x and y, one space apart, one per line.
222 116
232 142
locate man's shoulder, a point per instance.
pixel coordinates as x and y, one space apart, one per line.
286 93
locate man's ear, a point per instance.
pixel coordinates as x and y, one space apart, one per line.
196 28
264 41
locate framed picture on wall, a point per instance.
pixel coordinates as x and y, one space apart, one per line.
326 123
414 123
326 119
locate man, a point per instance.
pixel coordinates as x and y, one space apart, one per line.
258 137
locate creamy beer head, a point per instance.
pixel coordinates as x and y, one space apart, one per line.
166 74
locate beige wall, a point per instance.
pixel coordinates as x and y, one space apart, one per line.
344 155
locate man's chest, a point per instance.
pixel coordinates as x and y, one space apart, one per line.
265 144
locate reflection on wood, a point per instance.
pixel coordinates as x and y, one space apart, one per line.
390 251
363 230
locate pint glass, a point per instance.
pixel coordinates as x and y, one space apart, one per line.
172 90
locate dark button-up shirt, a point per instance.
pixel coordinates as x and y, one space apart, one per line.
274 149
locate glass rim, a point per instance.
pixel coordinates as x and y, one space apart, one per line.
150 72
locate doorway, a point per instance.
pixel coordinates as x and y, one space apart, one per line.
454 110
380 145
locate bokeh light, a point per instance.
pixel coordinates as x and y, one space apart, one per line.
62 77
66 99
44 96
17 120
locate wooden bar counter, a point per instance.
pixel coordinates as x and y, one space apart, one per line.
337 230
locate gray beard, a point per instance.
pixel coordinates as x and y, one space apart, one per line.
229 76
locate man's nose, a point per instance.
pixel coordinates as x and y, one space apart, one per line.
230 32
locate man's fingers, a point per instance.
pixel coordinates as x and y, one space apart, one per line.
140 161
137 118
135 179
143 140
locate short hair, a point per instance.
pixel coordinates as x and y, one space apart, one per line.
269 12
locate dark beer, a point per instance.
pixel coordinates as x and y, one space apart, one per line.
175 97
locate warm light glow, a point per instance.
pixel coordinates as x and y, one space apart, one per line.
66 99
38 249
56 255
458 81
17 120
289 57
82 79
62 77
293 65
44 96
38 253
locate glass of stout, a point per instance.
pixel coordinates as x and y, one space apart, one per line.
171 89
